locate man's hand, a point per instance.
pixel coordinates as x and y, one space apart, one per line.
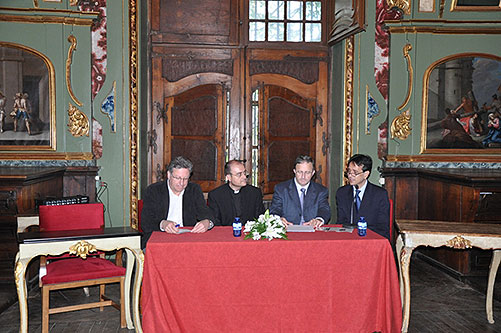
169 227
316 223
285 222
201 226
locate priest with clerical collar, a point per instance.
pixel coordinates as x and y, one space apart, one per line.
236 198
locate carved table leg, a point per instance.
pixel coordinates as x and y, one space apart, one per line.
398 247
405 257
493 269
20 276
128 273
139 255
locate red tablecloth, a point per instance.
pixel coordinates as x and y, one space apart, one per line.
313 282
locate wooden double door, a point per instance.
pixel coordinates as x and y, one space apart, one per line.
265 107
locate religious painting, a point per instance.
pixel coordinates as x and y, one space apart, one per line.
462 105
27 104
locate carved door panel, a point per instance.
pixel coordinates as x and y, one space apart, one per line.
287 131
194 129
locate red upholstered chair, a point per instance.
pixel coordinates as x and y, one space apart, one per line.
70 271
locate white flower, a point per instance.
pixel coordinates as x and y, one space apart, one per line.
266 226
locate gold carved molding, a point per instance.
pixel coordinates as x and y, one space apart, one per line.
459 242
133 107
73 40
348 98
403 5
410 72
400 126
82 249
78 123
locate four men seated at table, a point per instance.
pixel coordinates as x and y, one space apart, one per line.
177 202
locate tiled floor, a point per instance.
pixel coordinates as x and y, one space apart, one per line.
439 303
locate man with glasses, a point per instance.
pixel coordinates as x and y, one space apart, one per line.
299 200
175 203
362 198
236 198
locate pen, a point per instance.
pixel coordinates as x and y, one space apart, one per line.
177 225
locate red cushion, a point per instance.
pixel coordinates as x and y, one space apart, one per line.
71 217
76 269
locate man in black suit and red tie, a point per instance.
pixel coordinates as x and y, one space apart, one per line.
235 198
362 198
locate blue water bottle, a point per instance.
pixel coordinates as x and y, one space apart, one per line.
237 227
362 226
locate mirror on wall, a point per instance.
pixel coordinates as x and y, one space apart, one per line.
26 99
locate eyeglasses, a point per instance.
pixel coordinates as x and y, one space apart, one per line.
352 173
306 173
240 174
180 179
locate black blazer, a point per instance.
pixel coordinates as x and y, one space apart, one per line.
375 207
223 209
156 207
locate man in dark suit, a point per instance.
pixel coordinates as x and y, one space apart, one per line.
236 197
374 204
287 197
175 203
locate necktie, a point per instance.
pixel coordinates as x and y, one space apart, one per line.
357 199
301 201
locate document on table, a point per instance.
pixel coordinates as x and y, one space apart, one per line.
300 228
183 231
338 229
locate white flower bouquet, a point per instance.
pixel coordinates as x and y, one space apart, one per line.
266 226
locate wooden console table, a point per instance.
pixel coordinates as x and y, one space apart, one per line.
414 233
34 244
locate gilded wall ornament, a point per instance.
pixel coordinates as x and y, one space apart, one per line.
403 5
73 40
78 123
82 249
348 98
410 72
400 126
459 242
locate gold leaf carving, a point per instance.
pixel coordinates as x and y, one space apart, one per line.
82 249
459 242
410 72
73 40
400 126
403 5
78 123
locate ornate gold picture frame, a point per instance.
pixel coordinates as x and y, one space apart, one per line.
462 105
27 99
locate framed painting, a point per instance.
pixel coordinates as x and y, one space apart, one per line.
27 99
462 105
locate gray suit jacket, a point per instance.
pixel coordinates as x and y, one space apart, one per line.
285 202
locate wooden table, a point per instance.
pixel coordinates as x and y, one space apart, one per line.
34 244
414 233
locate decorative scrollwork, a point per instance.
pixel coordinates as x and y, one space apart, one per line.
73 40
152 141
82 249
348 97
459 243
400 126
317 116
403 5
325 143
78 123
161 112
410 72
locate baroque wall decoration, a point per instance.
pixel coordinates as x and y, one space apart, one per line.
69 59
78 123
371 110
400 126
97 139
108 107
382 45
99 43
410 75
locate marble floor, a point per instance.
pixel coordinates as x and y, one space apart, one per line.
439 303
